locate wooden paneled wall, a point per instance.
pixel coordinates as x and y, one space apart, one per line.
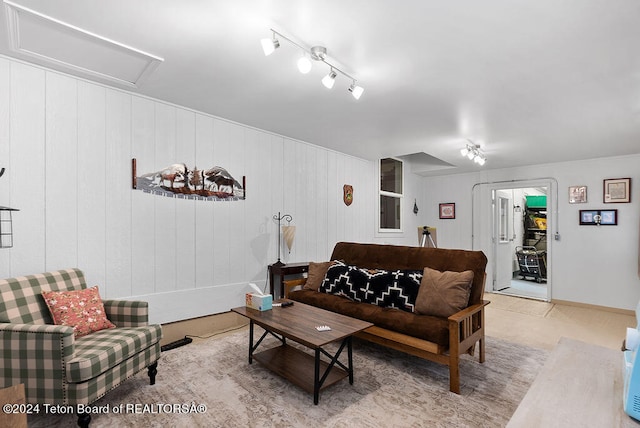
67 145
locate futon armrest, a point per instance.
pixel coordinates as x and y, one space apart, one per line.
293 283
469 311
127 313
466 327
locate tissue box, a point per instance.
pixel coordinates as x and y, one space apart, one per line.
259 302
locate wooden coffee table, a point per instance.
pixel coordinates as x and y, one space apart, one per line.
298 323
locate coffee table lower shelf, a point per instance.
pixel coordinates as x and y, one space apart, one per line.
298 367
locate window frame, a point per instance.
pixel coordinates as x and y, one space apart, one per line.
399 196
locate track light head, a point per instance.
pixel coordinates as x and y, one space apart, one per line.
270 45
329 80
304 65
464 151
356 90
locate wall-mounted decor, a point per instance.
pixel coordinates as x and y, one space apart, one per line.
577 194
347 194
6 223
178 181
6 227
448 211
617 190
598 217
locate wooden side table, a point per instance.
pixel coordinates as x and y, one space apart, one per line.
280 271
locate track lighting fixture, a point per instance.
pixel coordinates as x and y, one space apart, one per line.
316 53
356 90
329 80
270 45
472 152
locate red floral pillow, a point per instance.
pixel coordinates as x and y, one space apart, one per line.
81 309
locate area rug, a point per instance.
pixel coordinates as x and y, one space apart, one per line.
210 384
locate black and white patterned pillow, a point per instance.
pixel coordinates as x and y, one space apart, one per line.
385 288
335 279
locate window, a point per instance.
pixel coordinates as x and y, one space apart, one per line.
390 195
504 219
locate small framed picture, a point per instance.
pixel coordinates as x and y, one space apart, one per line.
598 217
617 190
587 217
577 194
448 210
609 217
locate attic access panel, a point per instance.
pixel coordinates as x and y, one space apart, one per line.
423 164
68 47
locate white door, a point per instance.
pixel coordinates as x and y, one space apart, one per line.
503 239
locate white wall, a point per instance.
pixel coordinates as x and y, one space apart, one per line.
593 265
67 145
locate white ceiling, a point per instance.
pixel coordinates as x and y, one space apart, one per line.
531 81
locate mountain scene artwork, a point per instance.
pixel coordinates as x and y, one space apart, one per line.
179 181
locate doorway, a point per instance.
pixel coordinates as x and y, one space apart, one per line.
498 212
520 249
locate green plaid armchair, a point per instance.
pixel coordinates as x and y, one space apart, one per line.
57 368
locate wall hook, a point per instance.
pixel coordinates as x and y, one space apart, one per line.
1 171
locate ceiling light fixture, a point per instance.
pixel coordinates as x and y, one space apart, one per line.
316 53
304 64
472 152
330 79
270 45
356 90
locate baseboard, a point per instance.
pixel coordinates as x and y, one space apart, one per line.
204 326
181 305
598 307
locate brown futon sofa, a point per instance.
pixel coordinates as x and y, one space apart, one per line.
434 337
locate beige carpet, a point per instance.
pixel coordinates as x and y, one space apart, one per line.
519 305
391 389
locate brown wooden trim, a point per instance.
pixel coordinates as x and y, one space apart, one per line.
597 307
407 344
134 179
291 284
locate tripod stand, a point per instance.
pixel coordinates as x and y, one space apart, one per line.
426 235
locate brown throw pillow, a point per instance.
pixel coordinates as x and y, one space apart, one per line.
316 274
442 294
